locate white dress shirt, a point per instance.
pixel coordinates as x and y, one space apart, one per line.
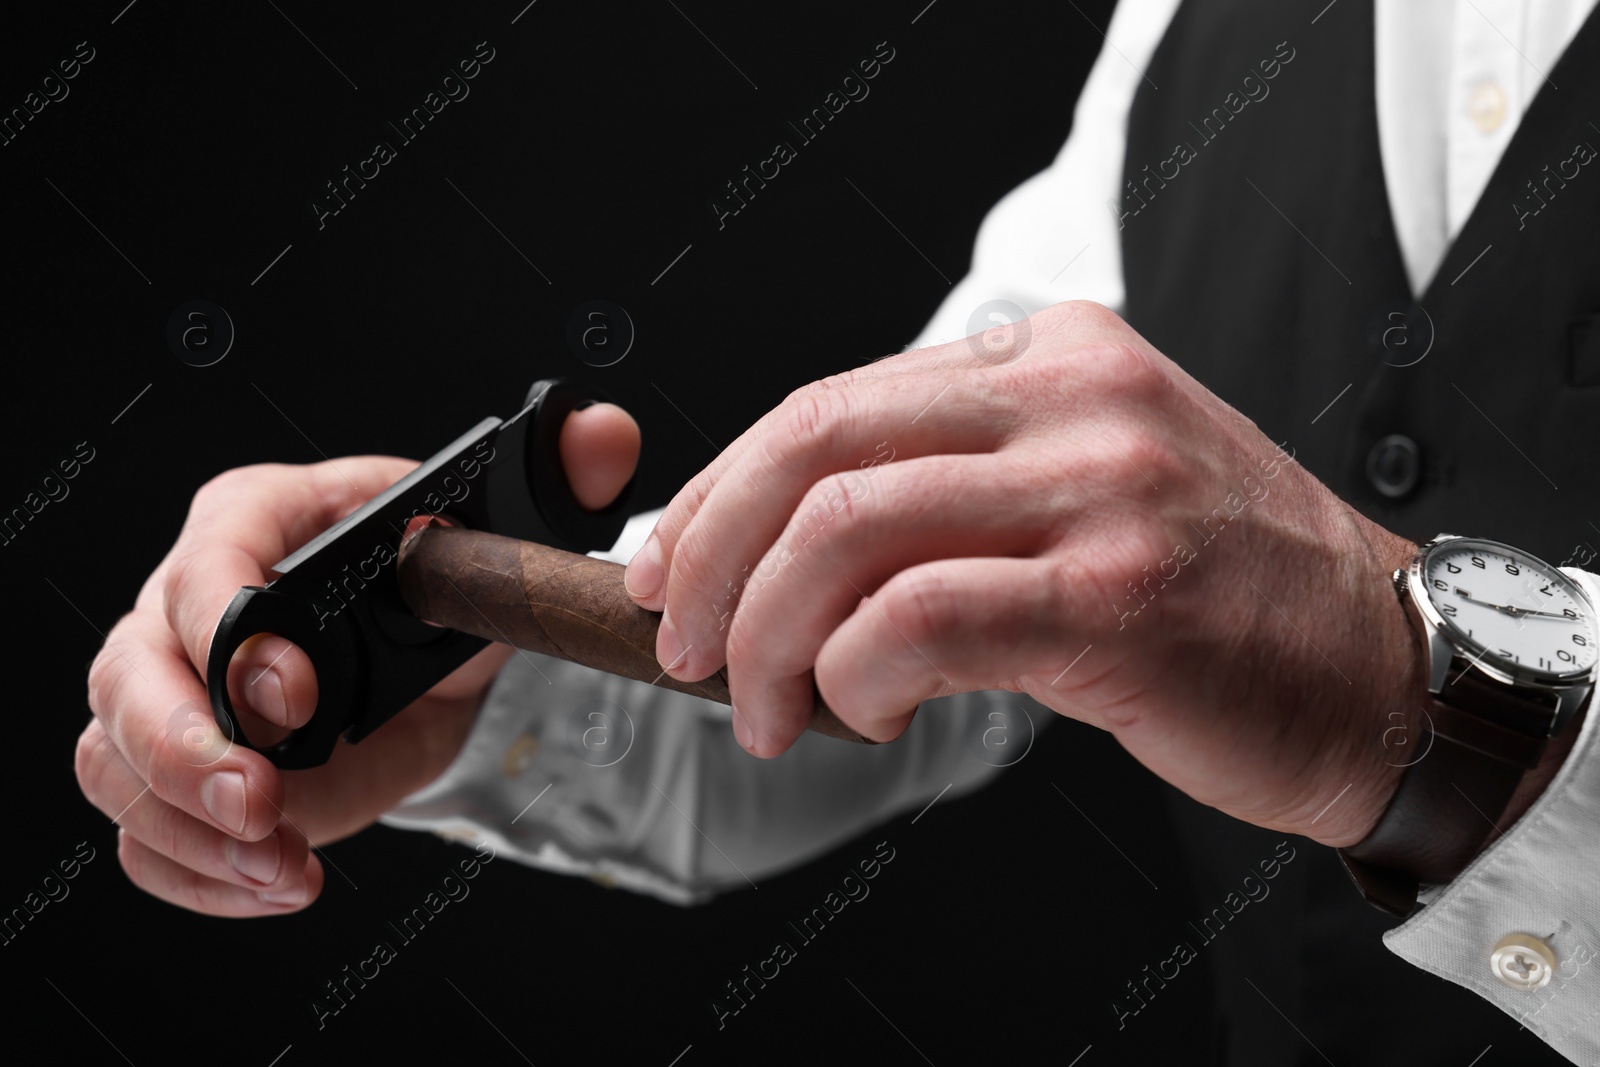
654 795
1453 79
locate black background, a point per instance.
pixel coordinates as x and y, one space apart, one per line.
591 146
194 142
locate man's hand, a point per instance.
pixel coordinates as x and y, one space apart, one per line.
217 828
1074 518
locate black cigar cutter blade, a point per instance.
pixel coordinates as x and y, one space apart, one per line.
338 597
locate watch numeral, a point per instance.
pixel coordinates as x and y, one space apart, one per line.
1511 568
1451 567
1441 585
1544 663
1563 654
1569 613
1478 563
1545 589
1505 653
1449 609
1579 639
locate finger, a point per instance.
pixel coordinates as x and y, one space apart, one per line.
645 579
176 884
850 534
275 864
851 429
273 678
599 448
245 520
952 626
362 780
146 697
1073 323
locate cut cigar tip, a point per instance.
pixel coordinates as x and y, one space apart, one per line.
416 528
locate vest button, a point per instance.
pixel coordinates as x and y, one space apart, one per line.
1394 466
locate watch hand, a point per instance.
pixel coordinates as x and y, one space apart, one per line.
1514 612
1510 609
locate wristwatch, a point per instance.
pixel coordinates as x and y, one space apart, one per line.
1512 644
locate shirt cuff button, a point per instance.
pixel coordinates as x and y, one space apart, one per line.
1522 961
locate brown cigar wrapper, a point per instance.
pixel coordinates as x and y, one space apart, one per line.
553 602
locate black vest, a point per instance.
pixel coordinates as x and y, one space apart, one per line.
1259 254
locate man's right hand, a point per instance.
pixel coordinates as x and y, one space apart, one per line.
215 827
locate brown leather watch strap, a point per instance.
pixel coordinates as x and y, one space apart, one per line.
1482 738
1526 717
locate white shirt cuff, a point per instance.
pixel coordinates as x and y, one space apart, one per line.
1541 878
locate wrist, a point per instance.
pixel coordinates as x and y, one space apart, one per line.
1385 727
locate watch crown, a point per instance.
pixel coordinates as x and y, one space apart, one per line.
1400 581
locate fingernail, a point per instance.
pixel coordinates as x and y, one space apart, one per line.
669 647
643 576
222 795
296 895
256 860
265 695
741 730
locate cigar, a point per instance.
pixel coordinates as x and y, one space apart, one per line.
552 602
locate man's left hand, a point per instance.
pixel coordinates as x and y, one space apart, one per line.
1053 508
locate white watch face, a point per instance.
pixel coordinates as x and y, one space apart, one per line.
1512 607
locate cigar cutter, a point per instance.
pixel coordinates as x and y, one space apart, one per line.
338 597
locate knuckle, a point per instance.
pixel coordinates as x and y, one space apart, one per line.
90 758
152 768
222 491
810 421
1121 462
745 653
919 604
694 494
1151 455
1082 315
674 524
823 384
185 569
833 509
1091 310
104 674
109 672
1124 715
692 565
217 488
804 390
1108 575
1123 368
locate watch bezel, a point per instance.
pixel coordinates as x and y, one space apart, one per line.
1482 656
